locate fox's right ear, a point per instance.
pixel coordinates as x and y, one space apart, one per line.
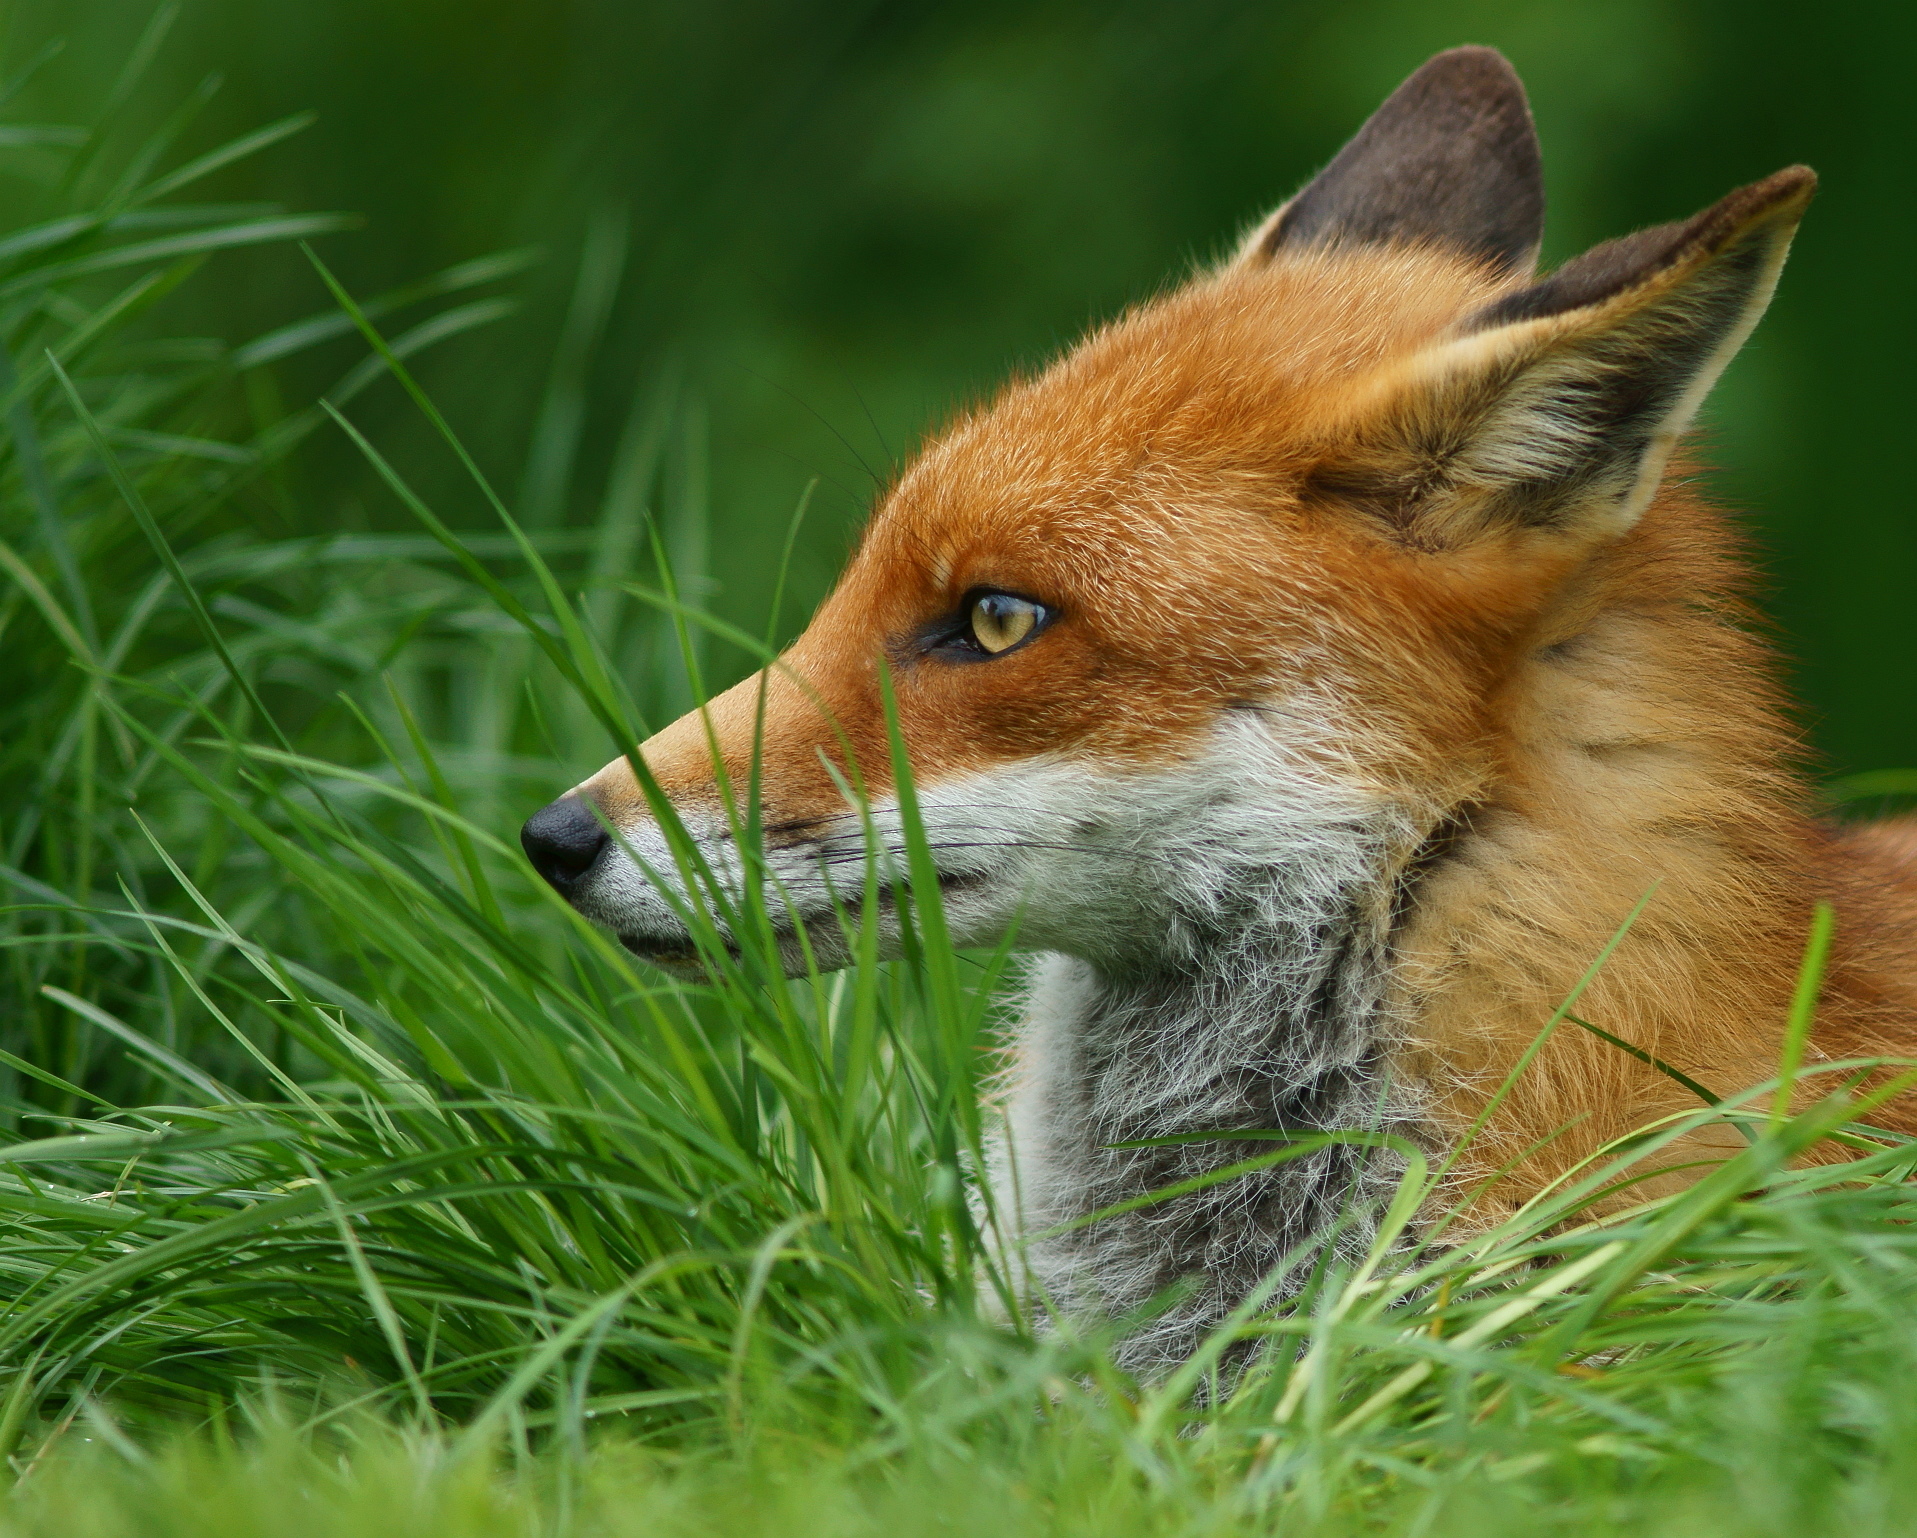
1450 159
1556 407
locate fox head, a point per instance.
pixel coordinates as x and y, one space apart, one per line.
1221 611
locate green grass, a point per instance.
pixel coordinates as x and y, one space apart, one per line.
352 1184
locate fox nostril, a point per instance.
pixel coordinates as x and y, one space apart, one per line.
563 839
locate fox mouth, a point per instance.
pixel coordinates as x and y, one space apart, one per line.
662 952
678 952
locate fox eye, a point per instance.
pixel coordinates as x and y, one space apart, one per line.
988 624
1000 621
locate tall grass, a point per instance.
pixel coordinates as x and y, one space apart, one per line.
333 1132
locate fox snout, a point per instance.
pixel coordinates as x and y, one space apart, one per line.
750 809
817 871
1132 868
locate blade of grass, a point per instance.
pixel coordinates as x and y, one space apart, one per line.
1804 997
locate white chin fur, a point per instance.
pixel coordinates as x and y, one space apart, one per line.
1110 865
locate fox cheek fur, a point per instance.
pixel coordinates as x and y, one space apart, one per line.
1370 672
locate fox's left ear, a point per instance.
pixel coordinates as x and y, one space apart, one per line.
1558 405
1449 161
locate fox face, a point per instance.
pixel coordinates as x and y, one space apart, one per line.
1121 644
1213 626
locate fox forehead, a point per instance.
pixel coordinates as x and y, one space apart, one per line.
1148 485
1182 416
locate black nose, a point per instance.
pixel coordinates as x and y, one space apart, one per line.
562 839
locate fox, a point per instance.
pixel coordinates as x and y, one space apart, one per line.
1312 671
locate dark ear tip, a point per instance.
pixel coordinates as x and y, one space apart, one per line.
1793 183
1785 191
1468 59
1472 73
1782 196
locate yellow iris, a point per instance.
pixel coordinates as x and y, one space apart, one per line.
1000 621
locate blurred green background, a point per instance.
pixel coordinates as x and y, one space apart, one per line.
842 217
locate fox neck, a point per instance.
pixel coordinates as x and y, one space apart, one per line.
1273 1016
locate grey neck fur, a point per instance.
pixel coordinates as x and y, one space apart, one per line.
1271 1018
